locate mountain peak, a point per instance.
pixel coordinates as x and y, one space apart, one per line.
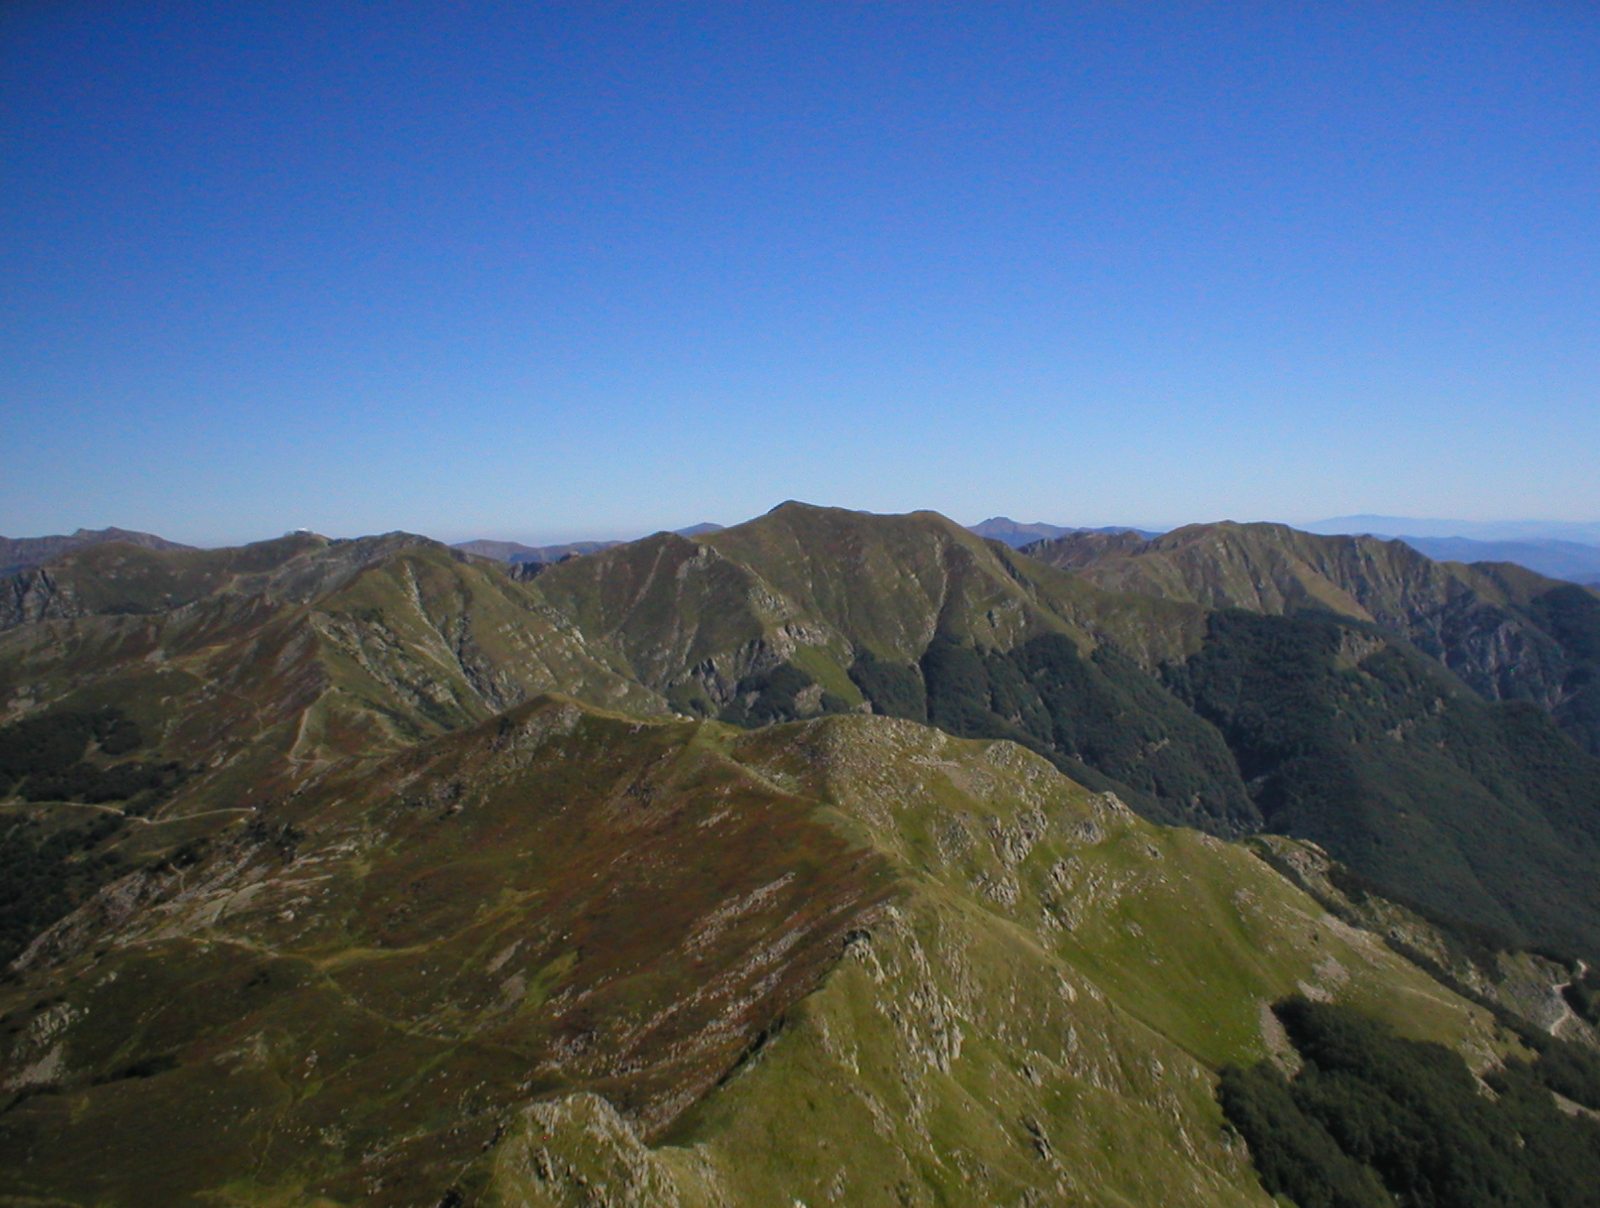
24 553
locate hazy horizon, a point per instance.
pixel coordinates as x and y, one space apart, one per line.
1491 530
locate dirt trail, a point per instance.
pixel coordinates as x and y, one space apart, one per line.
1566 1007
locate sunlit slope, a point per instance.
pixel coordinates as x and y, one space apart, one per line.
25 553
455 641
324 653
1263 567
120 579
254 662
1037 1014
853 953
807 587
891 583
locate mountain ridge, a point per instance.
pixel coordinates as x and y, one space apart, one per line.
25 553
1482 622
675 1065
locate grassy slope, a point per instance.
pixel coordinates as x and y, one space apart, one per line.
890 583
1038 1016
1268 568
676 611
307 649
354 998
773 619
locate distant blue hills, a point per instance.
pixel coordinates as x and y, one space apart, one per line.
1569 560
1560 549
1475 530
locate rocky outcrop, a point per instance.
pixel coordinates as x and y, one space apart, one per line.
35 595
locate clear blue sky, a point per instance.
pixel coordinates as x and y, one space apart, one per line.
554 271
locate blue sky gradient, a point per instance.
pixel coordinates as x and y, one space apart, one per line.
547 272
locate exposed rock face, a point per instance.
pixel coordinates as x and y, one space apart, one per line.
35 596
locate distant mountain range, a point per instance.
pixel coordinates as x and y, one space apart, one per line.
1003 528
1476 530
518 554
515 552
1568 560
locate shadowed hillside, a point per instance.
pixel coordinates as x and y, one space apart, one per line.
1507 632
